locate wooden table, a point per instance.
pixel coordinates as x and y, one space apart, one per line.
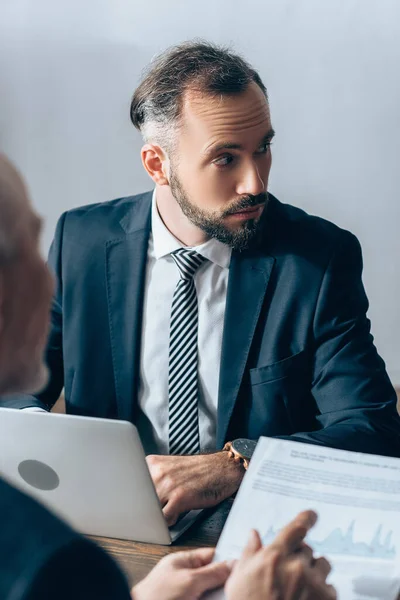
137 559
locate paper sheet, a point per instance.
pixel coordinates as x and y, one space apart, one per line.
357 498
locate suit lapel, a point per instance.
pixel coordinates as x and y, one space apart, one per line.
126 258
248 280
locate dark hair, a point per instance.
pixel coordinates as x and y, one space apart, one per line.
199 65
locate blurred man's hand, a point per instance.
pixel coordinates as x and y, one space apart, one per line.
182 576
283 570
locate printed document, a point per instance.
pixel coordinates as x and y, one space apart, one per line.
356 496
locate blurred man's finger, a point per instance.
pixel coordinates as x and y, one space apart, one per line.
322 566
192 559
291 536
211 576
254 544
306 553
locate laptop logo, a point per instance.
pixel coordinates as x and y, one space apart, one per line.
38 475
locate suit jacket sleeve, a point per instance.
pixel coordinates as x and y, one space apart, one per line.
79 571
54 351
353 394
42 558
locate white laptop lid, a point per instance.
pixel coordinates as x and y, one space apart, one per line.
93 470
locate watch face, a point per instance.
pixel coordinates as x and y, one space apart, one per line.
244 447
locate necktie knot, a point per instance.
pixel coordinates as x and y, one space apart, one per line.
187 261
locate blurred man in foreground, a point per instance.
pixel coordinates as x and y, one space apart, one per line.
40 556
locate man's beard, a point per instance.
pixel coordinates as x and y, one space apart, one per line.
212 224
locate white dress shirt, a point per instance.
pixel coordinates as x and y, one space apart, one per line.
162 276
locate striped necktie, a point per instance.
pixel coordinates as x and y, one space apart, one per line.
182 375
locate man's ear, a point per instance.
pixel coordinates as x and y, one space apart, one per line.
156 163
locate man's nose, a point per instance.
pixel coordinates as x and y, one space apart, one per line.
251 182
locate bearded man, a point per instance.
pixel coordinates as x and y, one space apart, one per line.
206 311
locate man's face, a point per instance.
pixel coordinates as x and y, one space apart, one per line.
27 294
220 167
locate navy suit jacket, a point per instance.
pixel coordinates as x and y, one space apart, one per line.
41 558
297 359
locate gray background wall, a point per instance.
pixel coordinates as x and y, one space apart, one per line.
332 67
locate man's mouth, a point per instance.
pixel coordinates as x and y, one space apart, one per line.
249 213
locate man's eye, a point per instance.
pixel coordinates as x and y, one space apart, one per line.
224 161
263 149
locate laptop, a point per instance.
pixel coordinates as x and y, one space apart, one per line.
91 472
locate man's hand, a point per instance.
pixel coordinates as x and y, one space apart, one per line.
187 482
284 569
183 575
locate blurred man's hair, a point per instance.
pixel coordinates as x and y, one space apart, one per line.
11 192
202 67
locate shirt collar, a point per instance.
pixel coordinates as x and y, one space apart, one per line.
164 242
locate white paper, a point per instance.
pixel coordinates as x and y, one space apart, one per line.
356 496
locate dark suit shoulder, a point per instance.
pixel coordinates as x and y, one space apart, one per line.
31 539
109 218
118 205
292 229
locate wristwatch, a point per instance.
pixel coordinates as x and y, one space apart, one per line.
241 450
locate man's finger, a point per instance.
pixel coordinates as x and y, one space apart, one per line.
170 514
293 578
254 544
331 593
192 559
291 536
318 592
322 566
305 553
211 576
